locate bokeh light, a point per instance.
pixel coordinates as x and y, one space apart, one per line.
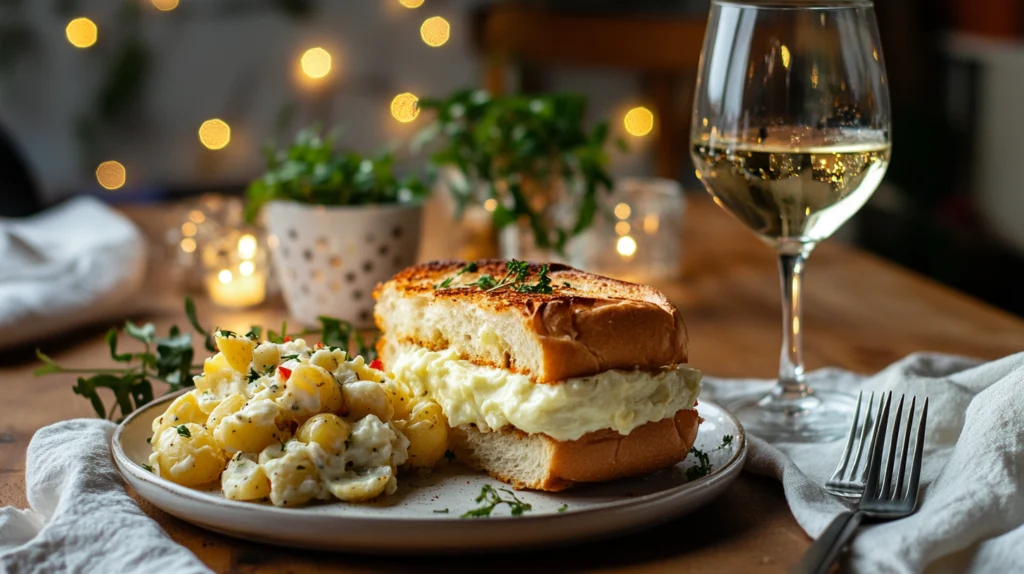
405 107
225 276
639 121
188 229
622 228
246 268
111 174
491 204
316 62
626 246
165 5
411 3
435 31
215 133
784 52
247 246
622 210
188 245
81 32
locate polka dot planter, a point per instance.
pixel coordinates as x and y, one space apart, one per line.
329 259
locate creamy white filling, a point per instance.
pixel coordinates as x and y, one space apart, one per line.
493 398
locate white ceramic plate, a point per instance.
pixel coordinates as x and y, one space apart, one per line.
407 521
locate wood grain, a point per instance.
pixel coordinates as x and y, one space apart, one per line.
862 313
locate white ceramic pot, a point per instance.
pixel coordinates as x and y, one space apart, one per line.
329 259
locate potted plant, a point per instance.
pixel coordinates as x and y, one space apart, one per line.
338 224
527 159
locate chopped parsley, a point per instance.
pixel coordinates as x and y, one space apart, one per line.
147 467
289 357
726 441
703 466
563 508
183 431
253 375
228 334
516 277
450 455
254 332
491 498
441 511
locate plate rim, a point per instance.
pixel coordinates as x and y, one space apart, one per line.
125 465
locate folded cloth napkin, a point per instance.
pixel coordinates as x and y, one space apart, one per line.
82 519
971 509
68 266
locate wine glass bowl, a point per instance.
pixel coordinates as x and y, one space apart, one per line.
791 136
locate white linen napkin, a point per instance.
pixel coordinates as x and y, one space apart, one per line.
82 519
73 264
971 509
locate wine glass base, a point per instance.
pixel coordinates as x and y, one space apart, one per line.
821 416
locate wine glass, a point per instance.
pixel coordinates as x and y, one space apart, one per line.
791 136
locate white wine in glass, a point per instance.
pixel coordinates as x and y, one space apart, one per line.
791 136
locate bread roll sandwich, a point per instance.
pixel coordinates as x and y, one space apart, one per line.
548 375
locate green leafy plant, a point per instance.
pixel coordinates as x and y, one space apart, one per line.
169 360
312 171
523 151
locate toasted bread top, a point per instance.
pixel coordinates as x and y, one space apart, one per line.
588 324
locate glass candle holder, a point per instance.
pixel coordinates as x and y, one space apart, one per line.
236 269
638 235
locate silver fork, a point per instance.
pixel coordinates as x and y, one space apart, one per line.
882 499
850 476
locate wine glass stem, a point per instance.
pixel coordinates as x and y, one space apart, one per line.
792 384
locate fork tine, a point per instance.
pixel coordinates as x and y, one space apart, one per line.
915 470
868 426
877 443
903 456
882 402
890 463
841 469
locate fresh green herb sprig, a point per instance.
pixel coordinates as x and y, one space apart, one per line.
312 171
169 360
518 148
516 278
703 466
491 498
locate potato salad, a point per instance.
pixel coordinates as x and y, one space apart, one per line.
289 423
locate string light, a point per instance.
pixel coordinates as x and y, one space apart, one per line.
188 245
639 121
111 174
246 268
215 134
316 62
165 5
411 3
197 216
622 210
626 246
225 276
81 32
247 246
405 107
188 229
435 31
491 204
622 228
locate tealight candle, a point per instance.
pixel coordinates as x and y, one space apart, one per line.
237 289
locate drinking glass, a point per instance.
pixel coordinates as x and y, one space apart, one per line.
791 136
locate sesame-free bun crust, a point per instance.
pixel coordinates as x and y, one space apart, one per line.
592 325
538 462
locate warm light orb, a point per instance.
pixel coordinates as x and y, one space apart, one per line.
435 31
81 32
197 216
247 246
188 245
111 174
622 211
626 246
405 107
651 223
188 229
246 268
215 134
165 5
639 121
225 276
411 3
491 204
622 228
784 51
316 62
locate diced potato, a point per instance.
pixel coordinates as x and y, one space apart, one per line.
294 479
427 431
310 390
237 351
215 364
244 479
328 430
400 397
228 406
362 486
250 429
265 357
327 359
367 398
184 409
188 455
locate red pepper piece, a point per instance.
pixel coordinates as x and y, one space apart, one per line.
376 364
287 339
285 372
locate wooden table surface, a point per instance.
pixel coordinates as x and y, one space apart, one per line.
861 313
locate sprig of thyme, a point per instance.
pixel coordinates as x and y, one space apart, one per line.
491 499
516 277
703 466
